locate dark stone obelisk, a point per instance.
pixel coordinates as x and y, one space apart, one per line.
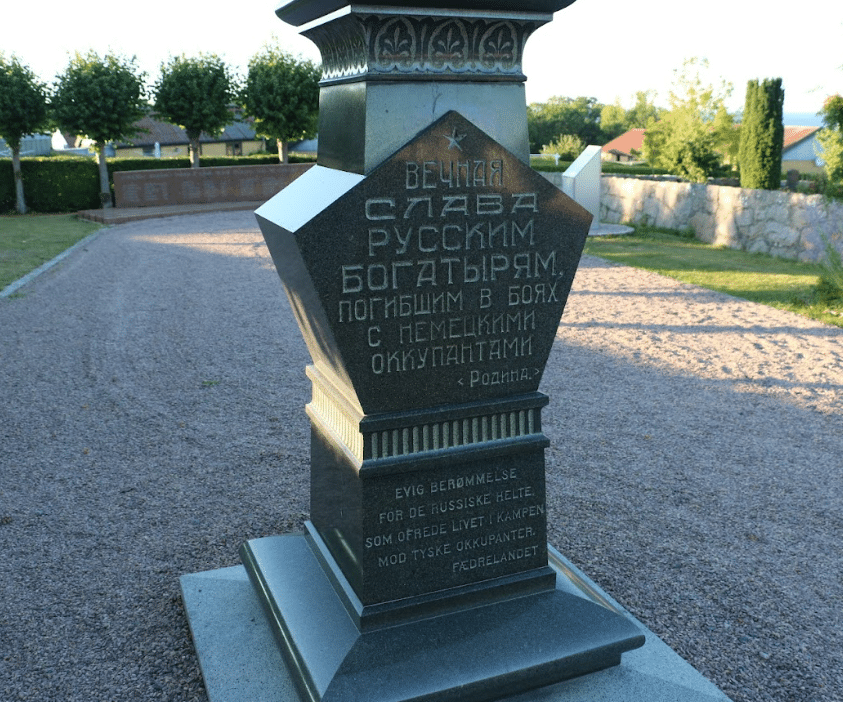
428 267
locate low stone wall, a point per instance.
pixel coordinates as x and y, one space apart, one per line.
193 186
783 224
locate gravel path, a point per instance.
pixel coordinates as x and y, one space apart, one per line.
152 420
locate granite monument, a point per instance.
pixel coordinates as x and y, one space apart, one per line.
427 266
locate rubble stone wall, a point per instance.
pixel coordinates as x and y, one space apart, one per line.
783 224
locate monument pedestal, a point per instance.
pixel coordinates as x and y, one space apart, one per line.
493 648
241 660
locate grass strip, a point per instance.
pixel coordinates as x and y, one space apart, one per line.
27 241
776 282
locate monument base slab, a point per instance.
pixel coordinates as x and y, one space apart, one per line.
472 654
240 658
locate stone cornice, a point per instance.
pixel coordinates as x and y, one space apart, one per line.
432 46
300 12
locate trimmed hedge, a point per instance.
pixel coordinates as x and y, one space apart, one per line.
70 184
611 167
7 186
52 184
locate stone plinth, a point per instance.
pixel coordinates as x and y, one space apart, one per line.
241 661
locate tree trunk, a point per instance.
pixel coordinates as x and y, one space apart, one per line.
194 153
283 146
20 202
105 187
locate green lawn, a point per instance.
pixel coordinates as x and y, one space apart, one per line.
27 241
787 285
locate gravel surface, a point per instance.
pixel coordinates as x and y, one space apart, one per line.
152 420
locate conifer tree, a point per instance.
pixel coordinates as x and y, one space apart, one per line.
762 135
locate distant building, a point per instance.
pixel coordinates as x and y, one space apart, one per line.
306 147
625 148
31 145
158 139
68 144
800 150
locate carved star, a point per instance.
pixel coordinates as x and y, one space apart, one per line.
454 139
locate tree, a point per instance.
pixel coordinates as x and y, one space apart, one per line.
101 99
830 137
563 115
23 110
566 146
762 135
613 120
195 94
644 112
281 93
696 132
832 112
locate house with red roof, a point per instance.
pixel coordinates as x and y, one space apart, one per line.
625 148
798 150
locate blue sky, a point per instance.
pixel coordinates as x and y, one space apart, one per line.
607 49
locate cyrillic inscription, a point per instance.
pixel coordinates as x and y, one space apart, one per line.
451 275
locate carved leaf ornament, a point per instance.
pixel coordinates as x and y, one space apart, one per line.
395 45
449 47
375 46
497 47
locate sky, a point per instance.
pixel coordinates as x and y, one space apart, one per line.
607 49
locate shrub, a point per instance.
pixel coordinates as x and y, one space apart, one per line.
566 146
7 185
830 287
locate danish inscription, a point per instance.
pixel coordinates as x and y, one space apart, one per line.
460 522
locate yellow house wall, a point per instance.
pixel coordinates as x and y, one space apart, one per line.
219 149
801 166
214 149
137 152
253 147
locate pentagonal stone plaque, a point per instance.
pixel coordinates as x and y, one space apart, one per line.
438 279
